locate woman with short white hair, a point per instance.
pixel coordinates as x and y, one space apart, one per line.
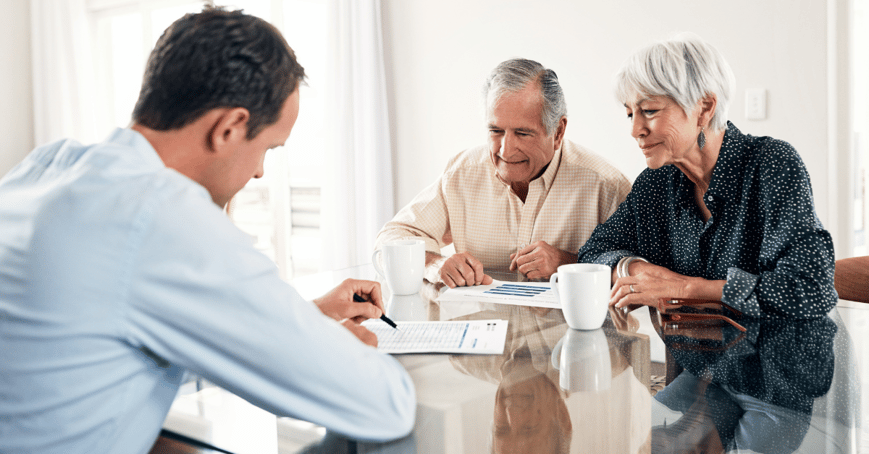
718 214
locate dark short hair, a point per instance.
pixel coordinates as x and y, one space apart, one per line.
213 59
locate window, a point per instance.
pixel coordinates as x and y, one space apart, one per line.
281 210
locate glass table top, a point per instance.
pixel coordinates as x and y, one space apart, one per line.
785 386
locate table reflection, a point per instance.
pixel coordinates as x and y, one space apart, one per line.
408 308
597 400
583 361
783 386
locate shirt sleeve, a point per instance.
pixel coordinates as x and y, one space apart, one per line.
796 262
201 297
614 239
425 217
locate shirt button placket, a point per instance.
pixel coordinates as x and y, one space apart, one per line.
526 223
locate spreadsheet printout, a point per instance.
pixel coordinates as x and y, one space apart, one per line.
538 294
466 336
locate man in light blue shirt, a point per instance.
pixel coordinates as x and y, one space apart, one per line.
119 270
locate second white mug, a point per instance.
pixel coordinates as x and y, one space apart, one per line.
403 265
583 289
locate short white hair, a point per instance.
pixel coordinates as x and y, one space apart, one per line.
684 68
514 75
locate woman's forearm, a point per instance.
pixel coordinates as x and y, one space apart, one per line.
700 288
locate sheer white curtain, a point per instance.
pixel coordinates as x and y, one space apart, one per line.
357 196
63 71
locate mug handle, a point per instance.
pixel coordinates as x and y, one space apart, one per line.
376 263
553 281
556 353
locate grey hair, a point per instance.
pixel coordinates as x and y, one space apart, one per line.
513 75
684 68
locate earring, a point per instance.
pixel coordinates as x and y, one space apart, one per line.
701 139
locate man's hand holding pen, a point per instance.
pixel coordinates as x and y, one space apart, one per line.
342 304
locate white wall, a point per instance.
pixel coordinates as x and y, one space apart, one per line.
439 53
16 94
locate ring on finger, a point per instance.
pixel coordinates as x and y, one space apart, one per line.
632 288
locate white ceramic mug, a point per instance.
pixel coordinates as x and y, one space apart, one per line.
583 361
583 289
403 265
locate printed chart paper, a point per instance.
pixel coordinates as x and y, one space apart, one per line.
538 294
467 336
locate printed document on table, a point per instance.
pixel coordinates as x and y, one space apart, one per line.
466 336
538 294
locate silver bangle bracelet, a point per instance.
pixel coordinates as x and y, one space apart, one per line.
622 269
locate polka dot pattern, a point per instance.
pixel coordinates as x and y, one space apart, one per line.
782 362
764 236
762 389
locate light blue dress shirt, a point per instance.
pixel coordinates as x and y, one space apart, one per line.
117 274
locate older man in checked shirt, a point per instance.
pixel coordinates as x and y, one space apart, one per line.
526 201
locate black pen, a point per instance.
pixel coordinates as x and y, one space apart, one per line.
383 316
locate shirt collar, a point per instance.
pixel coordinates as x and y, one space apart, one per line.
552 168
726 181
138 142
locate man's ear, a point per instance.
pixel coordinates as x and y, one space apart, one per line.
229 129
559 132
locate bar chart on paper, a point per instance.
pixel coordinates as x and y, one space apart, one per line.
465 336
538 294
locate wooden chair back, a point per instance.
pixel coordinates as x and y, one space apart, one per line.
852 279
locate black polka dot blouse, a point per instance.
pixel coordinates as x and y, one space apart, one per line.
764 236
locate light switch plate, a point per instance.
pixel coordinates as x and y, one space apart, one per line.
755 104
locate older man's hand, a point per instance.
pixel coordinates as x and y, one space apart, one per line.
461 269
539 260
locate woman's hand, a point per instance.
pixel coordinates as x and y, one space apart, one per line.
649 283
